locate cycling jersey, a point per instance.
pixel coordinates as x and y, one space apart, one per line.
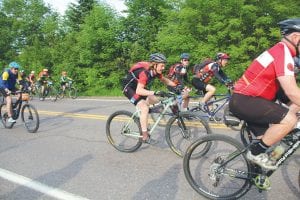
260 79
138 73
9 80
179 77
64 79
211 70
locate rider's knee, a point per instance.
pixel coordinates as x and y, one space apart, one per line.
290 119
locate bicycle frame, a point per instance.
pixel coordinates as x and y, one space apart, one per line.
167 103
225 98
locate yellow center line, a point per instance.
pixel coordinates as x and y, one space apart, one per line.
103 117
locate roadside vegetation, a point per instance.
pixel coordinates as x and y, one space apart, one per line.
96 45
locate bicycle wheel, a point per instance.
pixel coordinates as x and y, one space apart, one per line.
1 98
4 116
223 172
52 93
73 93
30 117
183 130
123 131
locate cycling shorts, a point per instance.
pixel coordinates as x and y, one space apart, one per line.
258 112
132 96
198 84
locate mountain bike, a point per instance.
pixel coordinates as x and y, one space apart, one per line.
49 91
69 90
223 172
214 106
123 128
28 112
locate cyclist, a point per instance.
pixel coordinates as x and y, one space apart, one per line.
202 76
43 78
64 80
272 72
178 74
8 82
31 78
135 89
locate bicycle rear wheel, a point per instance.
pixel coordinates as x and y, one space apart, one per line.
4 116
30 117
183 130
222 173
123 131
73 93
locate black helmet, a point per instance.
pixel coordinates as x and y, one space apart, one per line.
157 57
289 26
185 56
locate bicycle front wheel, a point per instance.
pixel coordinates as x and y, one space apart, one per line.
124 131
183 130
4 116
30 117
73 93
223 172
52 93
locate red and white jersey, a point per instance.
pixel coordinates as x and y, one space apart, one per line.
260 78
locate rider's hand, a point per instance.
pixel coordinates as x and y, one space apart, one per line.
160 93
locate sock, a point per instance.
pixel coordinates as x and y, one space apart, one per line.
258 148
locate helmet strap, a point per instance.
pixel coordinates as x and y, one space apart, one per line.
296 46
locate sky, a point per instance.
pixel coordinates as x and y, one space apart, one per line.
61 5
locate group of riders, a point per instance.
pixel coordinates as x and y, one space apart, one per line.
14 74
270 77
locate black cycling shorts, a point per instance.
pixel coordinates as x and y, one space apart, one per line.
198 84
257 112
132 96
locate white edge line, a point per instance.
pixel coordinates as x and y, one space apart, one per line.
27 182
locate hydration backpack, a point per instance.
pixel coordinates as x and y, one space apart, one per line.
171 71
197 68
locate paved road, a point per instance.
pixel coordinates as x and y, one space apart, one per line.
70 158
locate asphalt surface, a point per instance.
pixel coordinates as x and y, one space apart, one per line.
70 158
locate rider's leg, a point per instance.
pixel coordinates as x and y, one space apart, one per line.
277 131
9 105
143 106
185 103
210 92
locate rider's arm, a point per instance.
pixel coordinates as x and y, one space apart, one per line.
167 81
140 90
219 74
290 88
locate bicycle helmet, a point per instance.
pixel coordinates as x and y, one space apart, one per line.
32 72
14 65
222 56
184 56
289 26
158 58
45 70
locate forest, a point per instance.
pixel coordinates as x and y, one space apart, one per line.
96 45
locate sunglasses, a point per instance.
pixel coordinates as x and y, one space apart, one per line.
186 60
15 68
